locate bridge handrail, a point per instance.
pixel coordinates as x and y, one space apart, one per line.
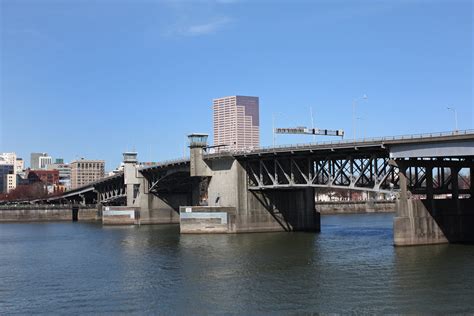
351 141
7 207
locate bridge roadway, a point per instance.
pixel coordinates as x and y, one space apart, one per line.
272 189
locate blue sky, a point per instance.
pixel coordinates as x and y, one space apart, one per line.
95 78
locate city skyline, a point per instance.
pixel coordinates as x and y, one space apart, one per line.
161 76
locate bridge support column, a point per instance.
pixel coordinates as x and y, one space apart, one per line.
249 211
160 208
433 221
280 210
413 223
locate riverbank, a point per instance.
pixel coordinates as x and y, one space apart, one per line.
53 213
355 207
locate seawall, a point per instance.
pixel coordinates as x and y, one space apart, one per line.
46 213
355 207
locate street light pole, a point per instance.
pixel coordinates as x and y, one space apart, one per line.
363 129
354 123
354 119
273 129
455 118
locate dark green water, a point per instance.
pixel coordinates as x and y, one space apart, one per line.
351 266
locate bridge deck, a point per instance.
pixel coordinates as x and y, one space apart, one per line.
369 143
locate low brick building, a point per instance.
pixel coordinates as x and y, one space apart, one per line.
48 177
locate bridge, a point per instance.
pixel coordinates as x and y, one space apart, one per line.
273 189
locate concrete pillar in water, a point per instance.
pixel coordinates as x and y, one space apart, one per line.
291 209
75 213
432 221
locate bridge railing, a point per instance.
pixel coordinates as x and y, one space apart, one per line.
348 141
8 207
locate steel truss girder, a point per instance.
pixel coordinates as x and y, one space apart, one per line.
365 173
112 190
443 172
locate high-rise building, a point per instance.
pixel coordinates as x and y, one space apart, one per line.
40 160
236 122
86 171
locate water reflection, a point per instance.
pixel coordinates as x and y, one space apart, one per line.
351 266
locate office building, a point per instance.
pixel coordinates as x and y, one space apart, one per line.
64 170
236 122
8 158
10 183
85 171
40 160
19 165
45 161
47 177
7 177
9 164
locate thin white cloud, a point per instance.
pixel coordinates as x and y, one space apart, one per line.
208 27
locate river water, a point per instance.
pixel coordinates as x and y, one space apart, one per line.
351 266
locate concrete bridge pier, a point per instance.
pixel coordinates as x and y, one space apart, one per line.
431 220
160 207
150 206
260 210
230 207
290 210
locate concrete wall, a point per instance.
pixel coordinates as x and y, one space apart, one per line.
120 215
202 219
164 209
280 210
421 222
47 214
355 207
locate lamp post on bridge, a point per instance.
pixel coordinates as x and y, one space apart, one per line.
364 128
354 123
455 118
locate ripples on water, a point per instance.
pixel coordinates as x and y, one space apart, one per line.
351 266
